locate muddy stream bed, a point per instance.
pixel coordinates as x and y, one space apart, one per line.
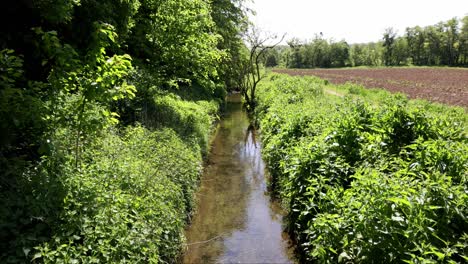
236 221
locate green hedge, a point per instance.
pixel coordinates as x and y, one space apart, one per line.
129 203
128 200
369 177
192 120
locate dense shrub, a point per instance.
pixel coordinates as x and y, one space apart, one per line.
105 112
76 186
371 177
191 120
129 203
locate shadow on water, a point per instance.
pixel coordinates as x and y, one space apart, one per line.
236 221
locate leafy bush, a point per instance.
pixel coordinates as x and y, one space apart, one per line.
371 177
130 202
191 120
77 188
99 159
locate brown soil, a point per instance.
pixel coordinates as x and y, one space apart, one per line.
443 85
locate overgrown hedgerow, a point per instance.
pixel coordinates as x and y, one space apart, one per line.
105 112
371 177
129 203
103 192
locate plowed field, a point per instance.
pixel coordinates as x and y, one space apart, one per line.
443 85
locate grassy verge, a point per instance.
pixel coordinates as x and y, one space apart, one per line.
370 177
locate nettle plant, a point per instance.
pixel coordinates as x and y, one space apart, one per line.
368 178
84 86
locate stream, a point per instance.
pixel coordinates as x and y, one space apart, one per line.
236 221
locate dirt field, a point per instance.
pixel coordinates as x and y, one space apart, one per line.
449 86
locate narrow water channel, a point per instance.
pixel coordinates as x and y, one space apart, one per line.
236 222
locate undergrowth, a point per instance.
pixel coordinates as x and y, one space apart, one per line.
369 178
100 191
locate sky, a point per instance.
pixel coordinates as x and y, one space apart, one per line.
356 21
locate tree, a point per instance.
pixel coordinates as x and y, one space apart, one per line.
463 47
258 43
434 44
451 38
67 73
296 59
339 54
389 45
400 52
271 59
231 22
369 54
321 52
415 38
178 40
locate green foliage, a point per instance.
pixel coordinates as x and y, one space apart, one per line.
15 122
119 14
77 85
191 120
389 45
271 61
318 53
56 11
128 204
177 38
445 43
370 54
100 158
371 177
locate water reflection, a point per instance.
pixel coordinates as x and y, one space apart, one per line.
235 220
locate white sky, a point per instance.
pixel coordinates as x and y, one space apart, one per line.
356 21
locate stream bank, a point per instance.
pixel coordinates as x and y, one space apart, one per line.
236 220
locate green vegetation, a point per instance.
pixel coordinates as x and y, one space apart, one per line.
106 108
443 44
128 204
252 69
368 177
105 112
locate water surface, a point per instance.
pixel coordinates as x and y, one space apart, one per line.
236 222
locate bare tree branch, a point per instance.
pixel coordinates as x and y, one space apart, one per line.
252 69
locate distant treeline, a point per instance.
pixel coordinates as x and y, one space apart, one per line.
442 44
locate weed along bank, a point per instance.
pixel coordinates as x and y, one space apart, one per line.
366 175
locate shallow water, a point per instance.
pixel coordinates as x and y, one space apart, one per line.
236 222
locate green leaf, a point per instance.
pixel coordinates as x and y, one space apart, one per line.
36 256
398 200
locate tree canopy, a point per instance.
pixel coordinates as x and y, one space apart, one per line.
442 44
